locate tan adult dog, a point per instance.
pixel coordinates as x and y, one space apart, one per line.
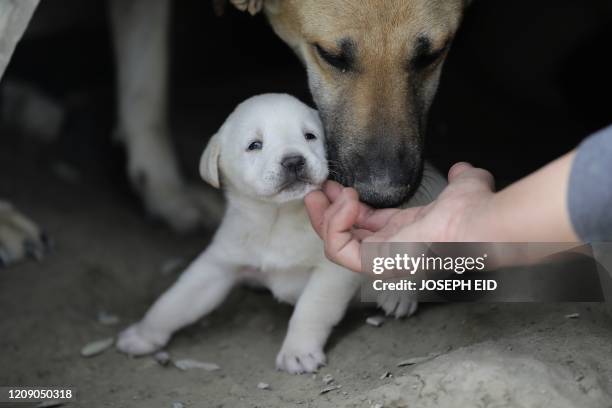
373 69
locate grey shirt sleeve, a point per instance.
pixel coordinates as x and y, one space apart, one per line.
590 188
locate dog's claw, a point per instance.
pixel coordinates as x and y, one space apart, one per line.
300 359
35 249
397 304
44 238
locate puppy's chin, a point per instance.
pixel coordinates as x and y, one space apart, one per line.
293 192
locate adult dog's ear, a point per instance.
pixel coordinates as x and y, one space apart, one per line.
252 6
209 163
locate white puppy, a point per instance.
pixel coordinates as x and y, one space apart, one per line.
268 155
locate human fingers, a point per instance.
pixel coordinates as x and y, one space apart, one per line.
373 219
332 189
317 204
458 168
342 246
465 173
368 217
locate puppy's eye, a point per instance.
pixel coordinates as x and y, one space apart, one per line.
256 145
310 136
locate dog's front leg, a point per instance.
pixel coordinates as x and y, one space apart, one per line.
199 290
140 32
320 307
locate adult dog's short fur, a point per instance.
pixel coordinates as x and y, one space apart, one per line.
267 155
373 68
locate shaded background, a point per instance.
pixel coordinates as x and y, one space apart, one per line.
524 82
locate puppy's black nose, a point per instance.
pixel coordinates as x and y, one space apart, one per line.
293 163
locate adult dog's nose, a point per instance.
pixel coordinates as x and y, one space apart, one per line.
293 163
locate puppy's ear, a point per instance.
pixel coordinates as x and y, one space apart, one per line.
209 163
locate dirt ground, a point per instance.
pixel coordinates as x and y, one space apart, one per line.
109 257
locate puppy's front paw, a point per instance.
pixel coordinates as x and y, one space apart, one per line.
137 340
299 357
397 303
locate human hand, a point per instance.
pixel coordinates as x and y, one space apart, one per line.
344 223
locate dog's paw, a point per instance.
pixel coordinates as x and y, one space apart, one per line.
153 173
252 6
397 303
184 208
299 358
137 340
19 237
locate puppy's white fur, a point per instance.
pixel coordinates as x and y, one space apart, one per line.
265 236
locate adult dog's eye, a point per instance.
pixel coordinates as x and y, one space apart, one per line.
424 56
310 136
342 61
256 145
426 60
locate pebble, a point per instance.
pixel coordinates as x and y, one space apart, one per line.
328 379
572 316
386 374
178 404
188 364
263 386
417 360
375 321
330 388
97 347
162 358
